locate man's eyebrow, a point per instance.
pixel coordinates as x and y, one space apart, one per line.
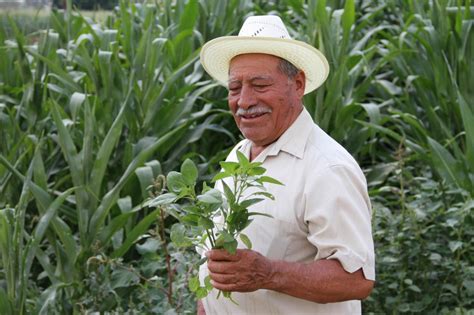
261 77
258 77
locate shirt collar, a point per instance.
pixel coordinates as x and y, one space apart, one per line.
292 141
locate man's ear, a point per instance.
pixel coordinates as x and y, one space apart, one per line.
300 82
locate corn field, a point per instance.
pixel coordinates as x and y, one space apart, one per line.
92 114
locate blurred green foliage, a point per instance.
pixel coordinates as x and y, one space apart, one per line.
92 114
88 4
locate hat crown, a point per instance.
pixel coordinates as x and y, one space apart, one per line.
264 26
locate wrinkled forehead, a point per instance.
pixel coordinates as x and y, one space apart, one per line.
258 56
253 62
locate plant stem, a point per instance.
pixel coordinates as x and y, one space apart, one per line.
211 238
240 189
167 257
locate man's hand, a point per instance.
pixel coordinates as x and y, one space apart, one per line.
200 308
321 281
245 271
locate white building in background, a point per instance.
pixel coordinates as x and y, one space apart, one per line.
25 3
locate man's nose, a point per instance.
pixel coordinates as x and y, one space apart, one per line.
247 97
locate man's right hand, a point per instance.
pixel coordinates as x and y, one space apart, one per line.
200 308
244 271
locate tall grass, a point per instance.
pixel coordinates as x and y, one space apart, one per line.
92 107
29 20
91 114
428 62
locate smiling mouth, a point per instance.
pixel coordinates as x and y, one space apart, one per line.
252 116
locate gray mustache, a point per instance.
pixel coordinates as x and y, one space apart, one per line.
253 110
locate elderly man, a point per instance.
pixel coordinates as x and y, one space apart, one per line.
315 255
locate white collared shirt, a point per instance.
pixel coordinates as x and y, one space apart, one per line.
322 212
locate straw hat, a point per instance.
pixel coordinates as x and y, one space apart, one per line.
264 34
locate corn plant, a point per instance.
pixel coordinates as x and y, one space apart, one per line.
347 33
18 249
430 57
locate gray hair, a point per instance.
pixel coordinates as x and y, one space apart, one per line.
288 68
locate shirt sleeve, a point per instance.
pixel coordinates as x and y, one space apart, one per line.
338 216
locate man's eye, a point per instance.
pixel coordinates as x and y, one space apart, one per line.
261 87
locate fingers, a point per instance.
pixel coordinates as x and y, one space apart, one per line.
230 283
225 287
241 272
229 286
223 278
222 255
220 266
220 261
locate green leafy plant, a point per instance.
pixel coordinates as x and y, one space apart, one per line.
423 235
214 219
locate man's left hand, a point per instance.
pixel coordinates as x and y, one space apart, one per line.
244 271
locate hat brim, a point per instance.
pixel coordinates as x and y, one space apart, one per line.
217 54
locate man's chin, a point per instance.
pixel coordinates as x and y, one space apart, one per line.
255 137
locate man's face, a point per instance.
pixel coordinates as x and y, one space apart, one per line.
262 99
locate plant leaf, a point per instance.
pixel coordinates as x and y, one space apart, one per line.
220 176
193 283
229 167
212 196
264 193
445 163
5 306
190 172
246 240
207 283
228 193
255 171
137 231
268 179
123 278
176 182
206 223
249 202
178 236
201 293
164 199
230 247
243 161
